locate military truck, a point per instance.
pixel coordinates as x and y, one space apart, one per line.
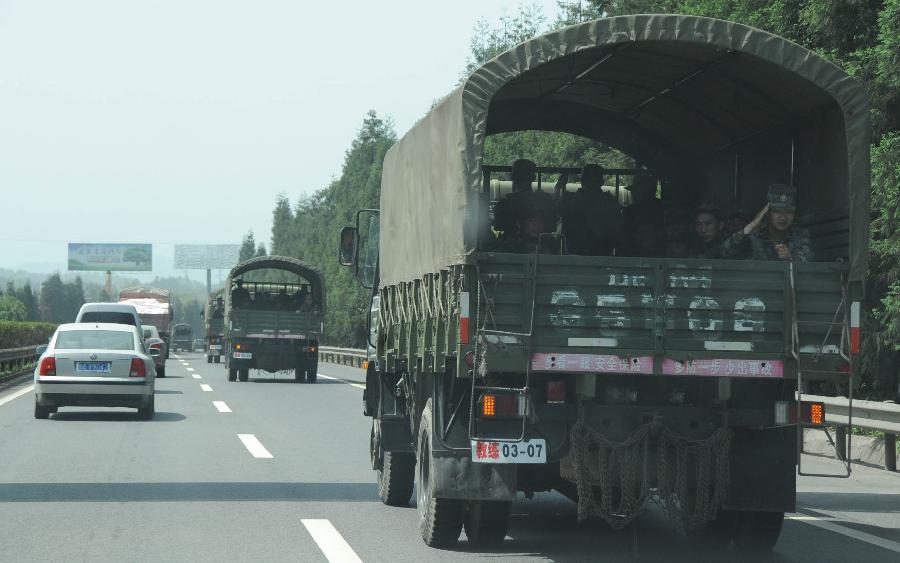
616 380
273 325
182 337
214 319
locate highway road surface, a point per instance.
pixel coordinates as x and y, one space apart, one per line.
272 470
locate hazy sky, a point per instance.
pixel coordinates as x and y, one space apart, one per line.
179 121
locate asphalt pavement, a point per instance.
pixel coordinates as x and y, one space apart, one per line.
273 470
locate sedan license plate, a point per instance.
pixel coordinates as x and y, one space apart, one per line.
526 451
242 355
92 367
215 346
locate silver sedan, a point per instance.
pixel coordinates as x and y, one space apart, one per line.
96 365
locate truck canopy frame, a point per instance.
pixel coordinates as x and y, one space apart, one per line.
705 104
311 274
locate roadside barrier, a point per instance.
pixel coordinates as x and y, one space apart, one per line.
15 361
344 356
869 415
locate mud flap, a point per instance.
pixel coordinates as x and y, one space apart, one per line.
763 470
461 478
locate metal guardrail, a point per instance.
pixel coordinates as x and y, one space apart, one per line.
344 356
870 415
15 359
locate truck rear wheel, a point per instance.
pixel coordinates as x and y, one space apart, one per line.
209 359
758 531
232 374
311 375
216 359
244 374
715 534
440 520
299 375
395 471
486 522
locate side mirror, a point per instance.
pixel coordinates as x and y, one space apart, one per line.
349 246
40 349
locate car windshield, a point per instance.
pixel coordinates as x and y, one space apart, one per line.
115 317
94 340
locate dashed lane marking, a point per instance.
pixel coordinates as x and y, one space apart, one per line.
196 376
333 545
221 406
190 369
254 446
205 387
16 394
347 381
825 524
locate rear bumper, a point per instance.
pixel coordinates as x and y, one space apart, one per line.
110 392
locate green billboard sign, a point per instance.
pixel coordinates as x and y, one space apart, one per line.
110 257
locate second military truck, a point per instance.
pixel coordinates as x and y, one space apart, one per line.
214 318
273 325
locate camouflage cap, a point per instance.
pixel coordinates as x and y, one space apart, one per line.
782 196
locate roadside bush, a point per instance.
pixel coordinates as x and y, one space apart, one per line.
15 334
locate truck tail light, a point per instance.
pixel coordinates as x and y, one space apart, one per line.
556 391
502 405
469 358
137 368
464 317
810 413
854 328
48 366
313 348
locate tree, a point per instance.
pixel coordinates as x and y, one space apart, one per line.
52 304
260 250
248 247
74 299
28 298
11 309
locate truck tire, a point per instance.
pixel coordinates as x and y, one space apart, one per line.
756 531
486 522
312 375
216 359
299 375
395 472
244 374
232 374
209 359
715 534
161 372
440 520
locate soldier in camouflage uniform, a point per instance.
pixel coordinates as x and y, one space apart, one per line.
774 237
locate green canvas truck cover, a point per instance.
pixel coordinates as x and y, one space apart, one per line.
691 97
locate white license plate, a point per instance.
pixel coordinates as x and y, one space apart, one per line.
242 355
526 451
215 347
92 367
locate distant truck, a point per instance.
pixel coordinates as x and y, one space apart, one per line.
182 337
214 319
273 326
154 306
617 378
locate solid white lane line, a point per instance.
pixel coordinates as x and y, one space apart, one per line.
330 541
221 406
196 376
16 394
205 387
254 446
844 530
347 381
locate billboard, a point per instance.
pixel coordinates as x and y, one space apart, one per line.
206 256
110 257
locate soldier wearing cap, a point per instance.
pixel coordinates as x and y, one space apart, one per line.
524 236
592 218
775 237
